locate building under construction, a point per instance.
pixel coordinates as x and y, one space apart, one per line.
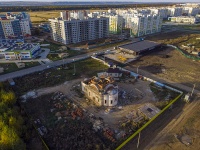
102 91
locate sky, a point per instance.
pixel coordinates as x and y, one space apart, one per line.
182 1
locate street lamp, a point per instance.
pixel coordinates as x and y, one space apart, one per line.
138 69
74 68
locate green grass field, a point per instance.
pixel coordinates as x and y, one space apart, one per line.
11 67
58 75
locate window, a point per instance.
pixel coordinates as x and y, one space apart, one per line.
105 101
111 102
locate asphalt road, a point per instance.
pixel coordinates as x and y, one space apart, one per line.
23 72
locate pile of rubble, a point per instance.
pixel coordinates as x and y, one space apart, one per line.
28 95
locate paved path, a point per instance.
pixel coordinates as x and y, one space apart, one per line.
43 55
159 79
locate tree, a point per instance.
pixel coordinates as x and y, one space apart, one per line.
11 122
8 97
10 140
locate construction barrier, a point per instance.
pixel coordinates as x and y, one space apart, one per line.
149 122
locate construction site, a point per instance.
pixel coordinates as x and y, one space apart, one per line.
63 114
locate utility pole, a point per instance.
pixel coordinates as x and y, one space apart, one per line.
74 68
193 90
138 69
62 61
138 141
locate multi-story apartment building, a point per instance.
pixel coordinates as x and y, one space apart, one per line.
191 11
76 30
162 12
143 25
12 26
115 24
175 11
21 16
74 14
25 26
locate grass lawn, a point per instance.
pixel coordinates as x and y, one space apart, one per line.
31 64
55 76
53 47
11 67
53 57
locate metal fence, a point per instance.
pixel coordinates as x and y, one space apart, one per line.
149 122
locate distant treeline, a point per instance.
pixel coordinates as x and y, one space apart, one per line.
75 7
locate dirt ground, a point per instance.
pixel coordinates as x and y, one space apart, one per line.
43 16
184 124
137 94
171 65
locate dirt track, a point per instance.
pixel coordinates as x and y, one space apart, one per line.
166 140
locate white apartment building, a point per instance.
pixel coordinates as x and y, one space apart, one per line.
14 28
6 28
74 14
143 25
94 14
175 11
112 11
163 12
115 24
191 11
76 30
25 26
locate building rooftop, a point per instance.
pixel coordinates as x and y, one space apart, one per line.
99 84
149 110
14 45
114 70
139 46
